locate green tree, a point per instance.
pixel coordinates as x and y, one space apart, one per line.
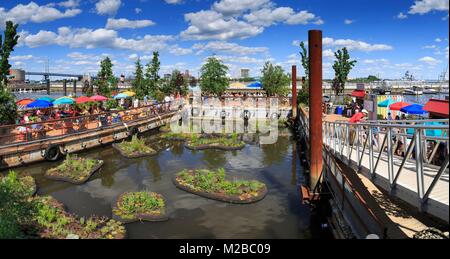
6 47
152 75
193 82
138 84
8 108
106 81
303 93
213 79
342 66
274 80
178 83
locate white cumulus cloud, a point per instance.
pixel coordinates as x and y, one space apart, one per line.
108 7
425 6
430 60
125 23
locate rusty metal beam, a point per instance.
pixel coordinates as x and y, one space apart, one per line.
315 105
294 91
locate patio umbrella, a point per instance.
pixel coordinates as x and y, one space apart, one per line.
129 93
121 96
63 100
24 102
98 98
255 85
46 98
385 103
40 104
398 106
83 99
413 109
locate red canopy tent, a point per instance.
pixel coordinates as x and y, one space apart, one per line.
398 106
83 99
98 98
358 93
437 108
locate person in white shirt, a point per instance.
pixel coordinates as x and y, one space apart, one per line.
136 103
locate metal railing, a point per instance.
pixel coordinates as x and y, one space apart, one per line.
422 144
11 135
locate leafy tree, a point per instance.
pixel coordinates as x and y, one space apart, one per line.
152 74
342 66
8 108
138 83
6 47
213 77
274 80
106 80
178 83
303 93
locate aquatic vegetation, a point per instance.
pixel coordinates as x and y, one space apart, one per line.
212 184
74 169
133 206
16 205
134 148
177 136
221 142
52 221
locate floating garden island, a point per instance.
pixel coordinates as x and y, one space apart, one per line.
165 128
212 185
53 222
139 206
74 170
215 142
134 149
29 184
177 136
25 184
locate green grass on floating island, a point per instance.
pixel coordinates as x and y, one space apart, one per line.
134 206
74 169
213 185
220 142
52 221
178 136
134 148
25 184
165 128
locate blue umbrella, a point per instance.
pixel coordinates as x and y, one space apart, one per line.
121 96
46 98
255 85
40 104
413 109
64 100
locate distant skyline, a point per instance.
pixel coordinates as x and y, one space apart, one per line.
386 37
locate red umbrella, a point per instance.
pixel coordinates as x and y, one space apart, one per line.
24 102
83 99
98 98
398 106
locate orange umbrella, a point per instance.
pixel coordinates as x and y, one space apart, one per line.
398 106
83 99
24 102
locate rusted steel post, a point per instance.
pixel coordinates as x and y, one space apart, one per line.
315 105
294 91
65 87
74 87
47 82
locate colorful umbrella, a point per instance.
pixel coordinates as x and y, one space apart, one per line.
83 99
413 109
64 100
121 96
46 98
24 102
99 98
40 104
398 106
129 93
255 85
385 103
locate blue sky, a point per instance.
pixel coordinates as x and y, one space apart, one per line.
385 37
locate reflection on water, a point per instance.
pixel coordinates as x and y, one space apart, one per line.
279 215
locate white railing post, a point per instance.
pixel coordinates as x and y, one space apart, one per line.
390 155
419 165
371 151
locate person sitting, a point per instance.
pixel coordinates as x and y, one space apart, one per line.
359 116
